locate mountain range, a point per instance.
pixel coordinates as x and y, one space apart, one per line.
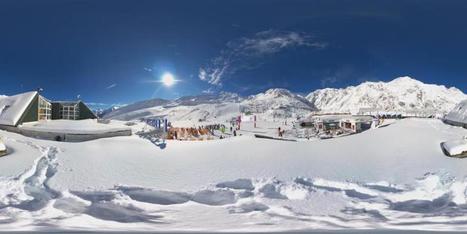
403 94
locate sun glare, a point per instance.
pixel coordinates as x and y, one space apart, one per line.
168 79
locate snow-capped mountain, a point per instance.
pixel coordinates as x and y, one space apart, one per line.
221 97
400 94
221 106
202 107
277 103
102 112
137 106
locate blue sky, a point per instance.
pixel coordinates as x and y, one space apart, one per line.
115 51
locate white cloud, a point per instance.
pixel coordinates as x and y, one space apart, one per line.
208 91
342 73
246 53
111 86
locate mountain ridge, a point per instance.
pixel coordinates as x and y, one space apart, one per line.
400 94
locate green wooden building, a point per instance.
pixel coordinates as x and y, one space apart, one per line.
31 106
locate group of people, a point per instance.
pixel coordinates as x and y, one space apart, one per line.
200 132
212 127
222 129
186 133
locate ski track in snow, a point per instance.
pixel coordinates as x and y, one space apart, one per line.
436 201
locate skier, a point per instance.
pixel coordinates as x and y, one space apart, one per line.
279 133
235 133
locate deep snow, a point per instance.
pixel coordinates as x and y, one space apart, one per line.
393 177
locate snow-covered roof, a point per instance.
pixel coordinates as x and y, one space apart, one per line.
13 107
459 113
456 147
2 146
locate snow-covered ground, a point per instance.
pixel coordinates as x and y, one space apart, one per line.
393 177
87 126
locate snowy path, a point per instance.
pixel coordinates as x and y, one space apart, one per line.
80 187
30 190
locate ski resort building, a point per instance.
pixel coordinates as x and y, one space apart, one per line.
336 125
351 125
458 115
33 115
397 114
31 106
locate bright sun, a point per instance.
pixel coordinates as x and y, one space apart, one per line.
168 79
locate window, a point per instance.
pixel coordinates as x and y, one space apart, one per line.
45 109
69 111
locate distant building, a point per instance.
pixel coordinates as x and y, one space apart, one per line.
336 125
351 125
31 106
458 115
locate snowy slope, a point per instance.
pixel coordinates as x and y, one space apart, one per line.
277 103
123 111
204 107
274 103
459 113
238 184
101 112
400 94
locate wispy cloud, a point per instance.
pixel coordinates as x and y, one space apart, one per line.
325 82
208 91
339 75
246 53
111 86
